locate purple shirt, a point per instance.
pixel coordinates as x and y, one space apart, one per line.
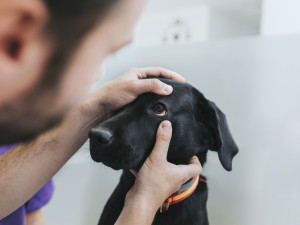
41 198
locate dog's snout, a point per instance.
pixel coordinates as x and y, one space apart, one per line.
101 134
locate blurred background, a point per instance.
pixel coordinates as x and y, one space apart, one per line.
245 56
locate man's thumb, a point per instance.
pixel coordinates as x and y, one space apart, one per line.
163 138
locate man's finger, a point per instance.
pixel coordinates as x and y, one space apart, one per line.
150 85
163 138
133 172
194 160
193 169
161 72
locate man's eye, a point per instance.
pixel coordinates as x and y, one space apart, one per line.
159 109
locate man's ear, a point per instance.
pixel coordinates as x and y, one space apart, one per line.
221 140
19 21
21 25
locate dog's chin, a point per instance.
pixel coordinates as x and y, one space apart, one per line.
117 156
118 164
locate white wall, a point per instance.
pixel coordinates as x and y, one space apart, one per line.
280 17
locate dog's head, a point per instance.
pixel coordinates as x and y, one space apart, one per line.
125 140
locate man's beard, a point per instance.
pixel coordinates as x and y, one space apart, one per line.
14 132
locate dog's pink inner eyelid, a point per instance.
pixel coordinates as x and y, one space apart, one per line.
162 114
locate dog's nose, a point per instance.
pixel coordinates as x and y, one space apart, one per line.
101 134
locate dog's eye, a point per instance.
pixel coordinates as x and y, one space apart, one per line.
159 109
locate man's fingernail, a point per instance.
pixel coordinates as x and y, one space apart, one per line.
166 125
168 88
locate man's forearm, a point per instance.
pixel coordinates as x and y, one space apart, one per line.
28 167
137 210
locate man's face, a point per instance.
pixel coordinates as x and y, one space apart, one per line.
25 110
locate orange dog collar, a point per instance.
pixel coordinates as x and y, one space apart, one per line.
182 193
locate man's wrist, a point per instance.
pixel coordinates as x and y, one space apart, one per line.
141 200
138 209
90 112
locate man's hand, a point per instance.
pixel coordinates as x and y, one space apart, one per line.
156 180
113 95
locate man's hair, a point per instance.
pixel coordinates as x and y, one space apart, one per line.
70 21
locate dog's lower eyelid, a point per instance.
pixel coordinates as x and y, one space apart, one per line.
164 113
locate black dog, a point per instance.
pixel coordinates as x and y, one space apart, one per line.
126 140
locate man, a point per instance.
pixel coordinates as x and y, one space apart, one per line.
51 51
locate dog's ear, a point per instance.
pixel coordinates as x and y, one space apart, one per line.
221 140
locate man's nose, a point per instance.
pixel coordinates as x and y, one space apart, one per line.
101 134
